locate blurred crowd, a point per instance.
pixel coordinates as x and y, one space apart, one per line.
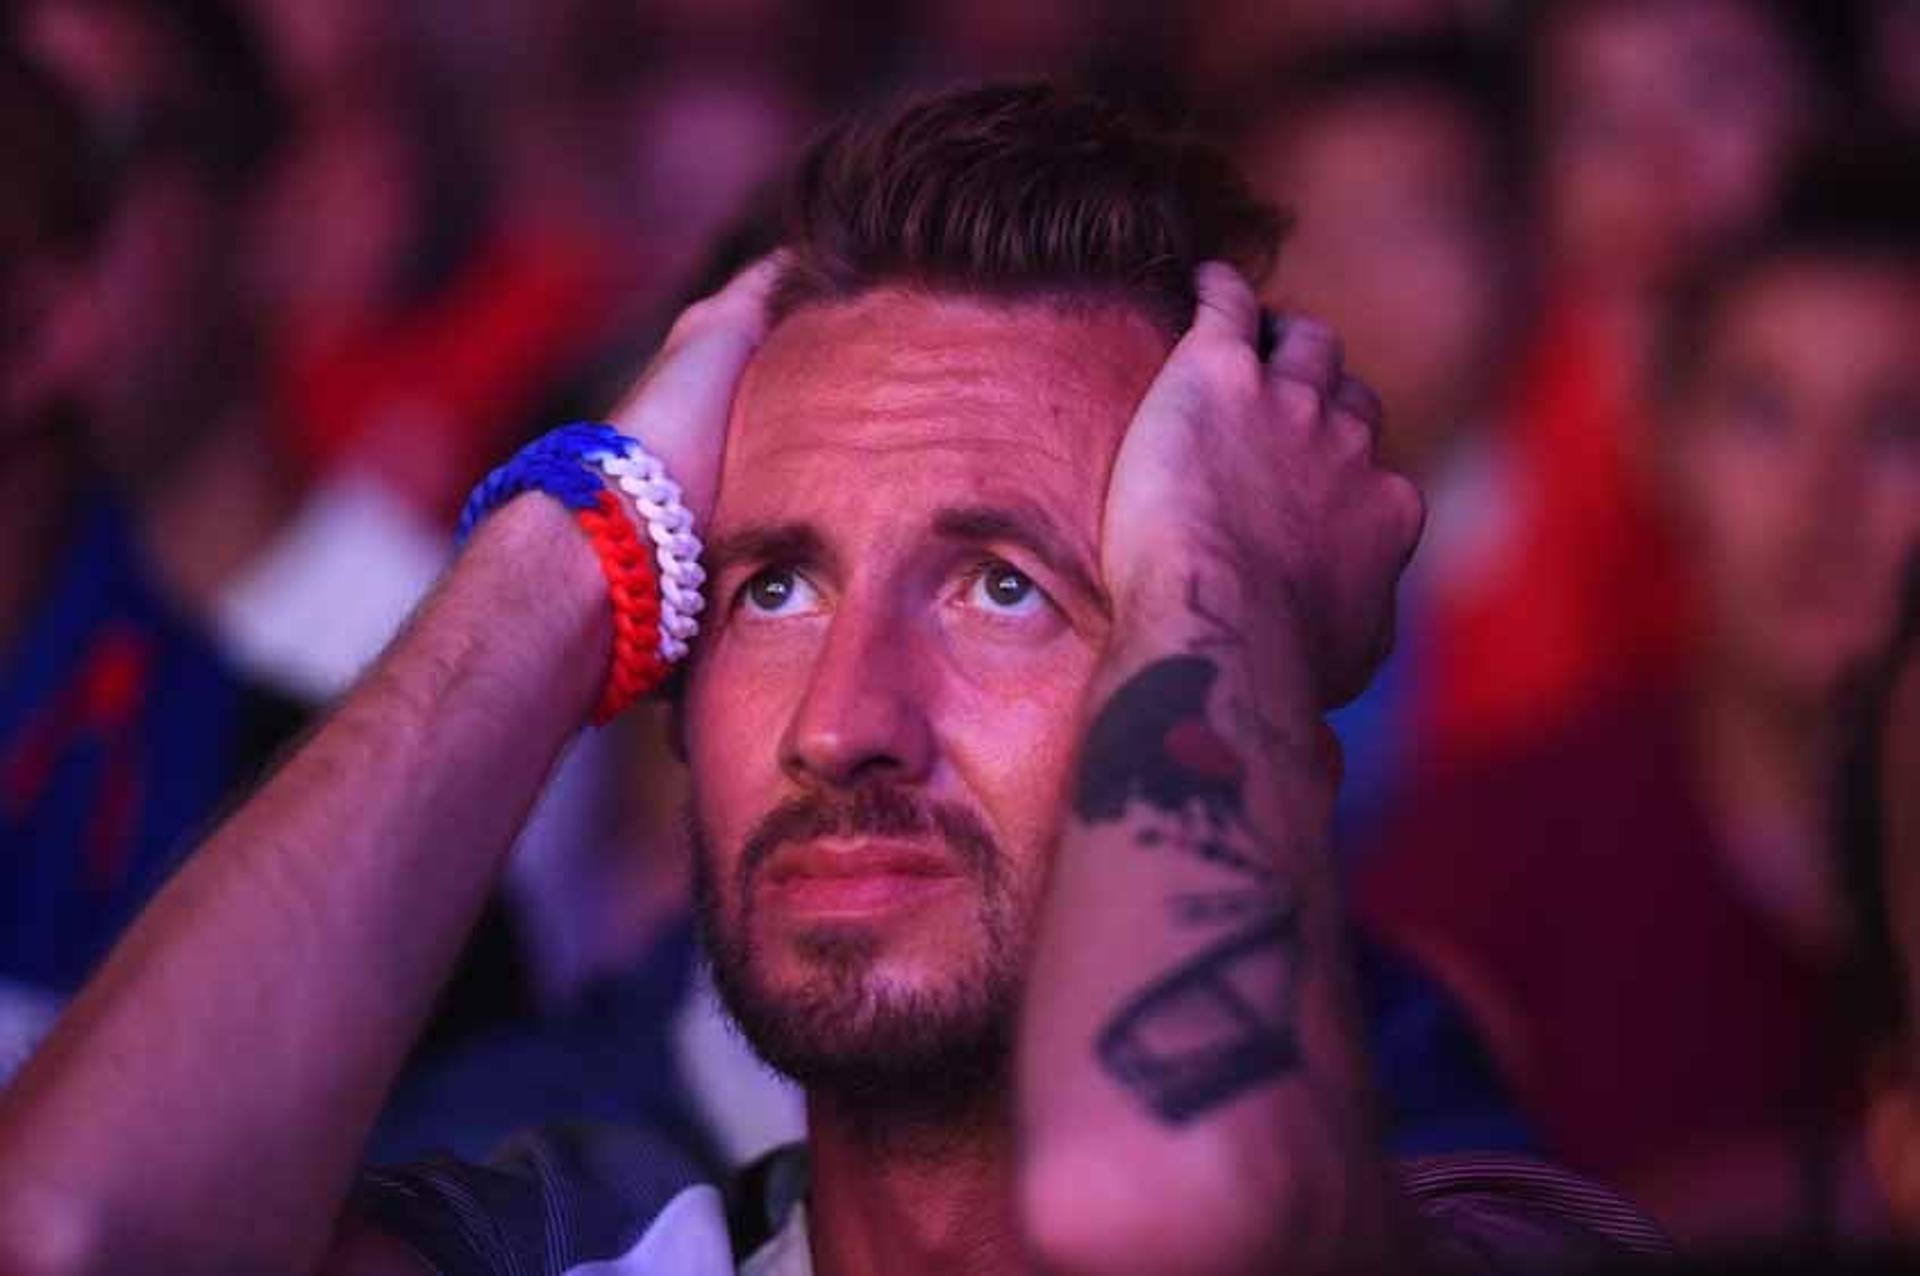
1637 280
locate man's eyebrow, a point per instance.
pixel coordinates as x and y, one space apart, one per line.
764 543
1025 526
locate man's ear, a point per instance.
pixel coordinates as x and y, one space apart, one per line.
1893 1139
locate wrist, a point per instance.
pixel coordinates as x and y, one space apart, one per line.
539 570
1249 629
641 533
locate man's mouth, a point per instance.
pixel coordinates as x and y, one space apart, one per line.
855 877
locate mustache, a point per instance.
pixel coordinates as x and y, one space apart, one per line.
872 809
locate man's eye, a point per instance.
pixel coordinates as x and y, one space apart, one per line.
777 591
1006 590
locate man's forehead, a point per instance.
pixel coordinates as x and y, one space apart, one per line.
897 377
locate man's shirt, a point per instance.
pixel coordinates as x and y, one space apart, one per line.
589 1201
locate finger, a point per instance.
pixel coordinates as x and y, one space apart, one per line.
1226 306
710 343
1308 351
1358 398
745 297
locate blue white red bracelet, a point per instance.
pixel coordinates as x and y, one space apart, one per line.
654 588
669 524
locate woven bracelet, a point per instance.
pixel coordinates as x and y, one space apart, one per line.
653 602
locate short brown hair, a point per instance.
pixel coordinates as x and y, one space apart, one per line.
1018 190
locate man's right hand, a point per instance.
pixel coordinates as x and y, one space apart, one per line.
1258 479
679 406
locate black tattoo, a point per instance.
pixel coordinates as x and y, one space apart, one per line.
1152 743
1223 907
1221 1022
1217 1026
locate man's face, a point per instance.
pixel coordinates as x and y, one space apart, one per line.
1799 465
905 613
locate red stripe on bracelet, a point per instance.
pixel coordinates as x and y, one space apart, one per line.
634 590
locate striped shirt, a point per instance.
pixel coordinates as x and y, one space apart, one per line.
590 1201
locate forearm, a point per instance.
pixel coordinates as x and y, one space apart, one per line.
1193 1089
203 1103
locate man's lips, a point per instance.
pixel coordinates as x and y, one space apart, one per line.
848 877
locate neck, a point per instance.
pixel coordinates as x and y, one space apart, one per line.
1766 761
909 1194
216 508
38 478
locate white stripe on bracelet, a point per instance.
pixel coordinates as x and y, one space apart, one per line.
669 525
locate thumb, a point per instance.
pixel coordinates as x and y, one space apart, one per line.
1226 307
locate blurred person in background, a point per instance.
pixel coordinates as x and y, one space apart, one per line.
1230 41
277 585
1396 160
422 311
1895 62
1880 830
1661 129
1643 910
133 473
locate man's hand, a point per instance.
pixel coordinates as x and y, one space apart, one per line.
1187 1007
679 406
1259 480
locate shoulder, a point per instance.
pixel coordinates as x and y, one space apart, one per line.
1498 1212
551 1201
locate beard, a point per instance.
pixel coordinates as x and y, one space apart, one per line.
930 1051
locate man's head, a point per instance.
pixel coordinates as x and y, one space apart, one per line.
1794 404
182 114
49 211
1395 161
1664 126
905 600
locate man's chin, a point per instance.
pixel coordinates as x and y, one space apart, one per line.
839 1020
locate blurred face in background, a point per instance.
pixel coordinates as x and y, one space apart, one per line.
162 284
1798 460
1227 39
1400 244
1896 59
1664 126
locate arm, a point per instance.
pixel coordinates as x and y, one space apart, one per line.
1193 1088
202 1105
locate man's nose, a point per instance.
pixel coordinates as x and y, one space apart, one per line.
864 714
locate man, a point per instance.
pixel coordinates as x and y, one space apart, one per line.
1028 580
1644 908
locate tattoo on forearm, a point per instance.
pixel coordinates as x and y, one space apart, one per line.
1219 1025
1153 744
1222 1021
1223 907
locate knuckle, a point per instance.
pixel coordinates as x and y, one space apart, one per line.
1316 333
1297 401
691 320
1408 505
1354 436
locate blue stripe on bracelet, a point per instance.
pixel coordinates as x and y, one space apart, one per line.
556 463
